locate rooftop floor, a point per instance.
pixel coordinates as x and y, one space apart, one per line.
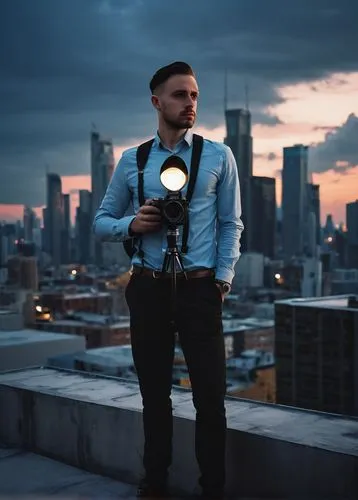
42 477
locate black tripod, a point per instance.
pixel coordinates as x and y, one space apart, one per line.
173 259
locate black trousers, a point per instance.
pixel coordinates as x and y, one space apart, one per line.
199 325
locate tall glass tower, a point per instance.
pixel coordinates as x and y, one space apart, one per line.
54 217
239 139
102 167
294 199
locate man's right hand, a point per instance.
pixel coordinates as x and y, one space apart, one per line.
147 220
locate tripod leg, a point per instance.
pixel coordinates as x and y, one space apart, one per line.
174 287
166 263
180 264
169 265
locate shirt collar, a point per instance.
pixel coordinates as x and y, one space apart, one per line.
188 138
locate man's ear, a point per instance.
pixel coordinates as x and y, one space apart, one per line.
155 102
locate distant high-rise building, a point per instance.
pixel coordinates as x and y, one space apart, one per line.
54 218
294 199
249 272
352 233
4 252
102 167
19 231
45 236
329 253
316 350
83 227
341 247
239 139
311 283
29 221
8 242
66 230
263 215
85 200
329 228
314 206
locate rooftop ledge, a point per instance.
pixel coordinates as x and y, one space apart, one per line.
94 423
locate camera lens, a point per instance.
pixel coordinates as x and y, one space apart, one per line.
173 212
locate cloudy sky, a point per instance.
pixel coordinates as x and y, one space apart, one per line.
65 64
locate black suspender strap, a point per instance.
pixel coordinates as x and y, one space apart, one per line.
194 167
142 157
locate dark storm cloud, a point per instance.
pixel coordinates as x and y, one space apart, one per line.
65 64
339 150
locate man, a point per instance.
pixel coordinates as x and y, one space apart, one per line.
213 249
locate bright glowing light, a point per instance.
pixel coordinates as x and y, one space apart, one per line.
73 272
39 309
329 239
173 179
277 276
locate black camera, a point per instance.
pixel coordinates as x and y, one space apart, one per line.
173 208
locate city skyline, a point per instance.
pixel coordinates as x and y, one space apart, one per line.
301 91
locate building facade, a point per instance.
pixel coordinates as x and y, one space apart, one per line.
352 233
263 216
239 139
316 351
294 199
102 167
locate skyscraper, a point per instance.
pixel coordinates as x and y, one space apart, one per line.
239 139
294 199
66 230
263 216
313 231
352 233
29 222
54 218
83 224
102 167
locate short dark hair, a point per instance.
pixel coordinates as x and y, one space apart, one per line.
163 74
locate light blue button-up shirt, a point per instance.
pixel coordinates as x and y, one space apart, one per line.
215 209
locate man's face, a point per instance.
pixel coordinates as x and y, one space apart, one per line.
177 100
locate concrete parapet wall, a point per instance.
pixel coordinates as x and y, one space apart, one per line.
95 423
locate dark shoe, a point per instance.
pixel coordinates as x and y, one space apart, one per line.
148 490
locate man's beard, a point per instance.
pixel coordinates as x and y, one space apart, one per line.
179 124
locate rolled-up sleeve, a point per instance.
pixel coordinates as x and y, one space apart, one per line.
230 225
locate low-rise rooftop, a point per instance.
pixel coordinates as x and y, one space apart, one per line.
27 347
250 323
330 302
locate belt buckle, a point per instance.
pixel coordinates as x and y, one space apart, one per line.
156 274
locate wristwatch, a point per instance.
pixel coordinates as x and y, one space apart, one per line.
224 286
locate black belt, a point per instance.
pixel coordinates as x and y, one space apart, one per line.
196 273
